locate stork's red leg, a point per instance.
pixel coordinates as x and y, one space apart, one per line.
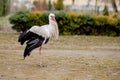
40 53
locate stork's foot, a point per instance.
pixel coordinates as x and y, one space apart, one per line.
42 65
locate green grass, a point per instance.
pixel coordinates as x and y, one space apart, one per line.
60 66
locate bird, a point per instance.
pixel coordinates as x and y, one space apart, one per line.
36 36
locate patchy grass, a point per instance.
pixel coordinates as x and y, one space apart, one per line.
64 42
64 66
5 26
4 21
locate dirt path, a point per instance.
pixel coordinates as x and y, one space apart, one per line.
86 53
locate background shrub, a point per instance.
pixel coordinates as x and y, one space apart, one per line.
86 24
117 28
20 21
38 19
69 23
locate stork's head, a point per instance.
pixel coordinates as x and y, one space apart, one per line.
52 17
53 26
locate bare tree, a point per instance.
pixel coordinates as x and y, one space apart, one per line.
88 2
4 7
73 2
119 2
114 6
96 6
105 1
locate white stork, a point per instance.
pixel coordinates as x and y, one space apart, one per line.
36 36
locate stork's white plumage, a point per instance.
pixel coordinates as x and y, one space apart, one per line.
47 31
36 36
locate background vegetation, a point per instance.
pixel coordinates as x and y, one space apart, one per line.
70 23
4 7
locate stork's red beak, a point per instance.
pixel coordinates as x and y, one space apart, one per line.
53 18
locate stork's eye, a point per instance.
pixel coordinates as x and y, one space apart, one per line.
52 16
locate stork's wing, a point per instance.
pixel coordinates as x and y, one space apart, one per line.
32 44
21 38
24 37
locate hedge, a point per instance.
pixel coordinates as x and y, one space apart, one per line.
69 23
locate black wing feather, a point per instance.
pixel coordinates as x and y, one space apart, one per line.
32 44
24 37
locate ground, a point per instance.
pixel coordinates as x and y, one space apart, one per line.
68 58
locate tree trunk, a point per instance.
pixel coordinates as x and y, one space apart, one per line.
96 7
88 2
119 2
4 8
105 1
114 6
73 2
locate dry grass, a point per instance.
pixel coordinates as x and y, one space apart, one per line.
5 25
59 67
64 42
4 21
64 66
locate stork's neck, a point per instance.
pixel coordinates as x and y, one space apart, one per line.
52 23
53 29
